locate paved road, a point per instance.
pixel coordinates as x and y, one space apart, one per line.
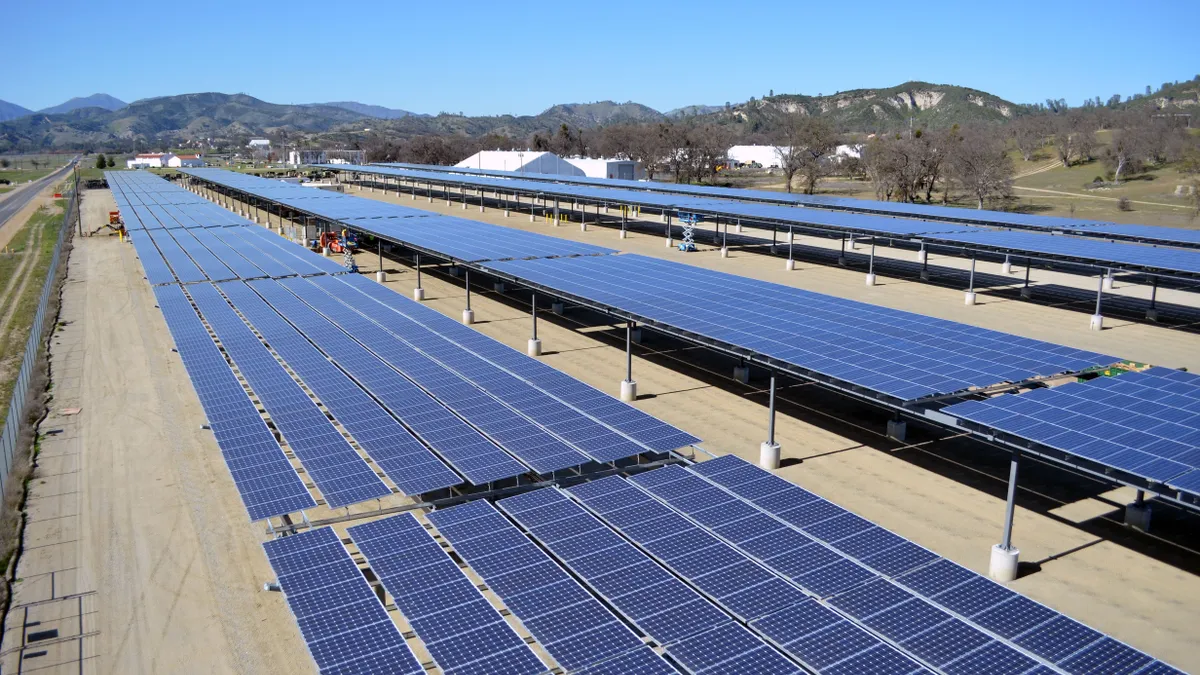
17 200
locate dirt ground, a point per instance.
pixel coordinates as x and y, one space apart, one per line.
136 539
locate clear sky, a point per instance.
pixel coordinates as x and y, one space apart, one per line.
486 58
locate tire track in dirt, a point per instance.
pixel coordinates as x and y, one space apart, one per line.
10 297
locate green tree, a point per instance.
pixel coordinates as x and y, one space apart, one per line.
100 161
5 163
111 162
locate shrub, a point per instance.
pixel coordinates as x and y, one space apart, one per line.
1124 205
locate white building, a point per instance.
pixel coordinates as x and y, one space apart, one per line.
310 157
154 160
184 161
765 156
532 161
259 143
848 151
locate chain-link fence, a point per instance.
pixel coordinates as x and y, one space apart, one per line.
11 436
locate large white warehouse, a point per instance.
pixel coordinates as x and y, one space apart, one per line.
533 161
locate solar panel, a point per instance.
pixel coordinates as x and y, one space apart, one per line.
182 266
343 623
898 354
412 467
1087 249
460 628
464 448
574 627
153 263
1145 423
337 470
265 479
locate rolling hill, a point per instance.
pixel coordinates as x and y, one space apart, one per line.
104 101
367 110
9 111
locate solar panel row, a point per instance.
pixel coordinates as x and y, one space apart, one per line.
1146 423
463 633
576 629
336 468
344 625
899 354
265 479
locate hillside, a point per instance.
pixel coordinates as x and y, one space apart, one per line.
10 111
367 110
94 101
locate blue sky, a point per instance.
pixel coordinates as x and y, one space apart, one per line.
487 58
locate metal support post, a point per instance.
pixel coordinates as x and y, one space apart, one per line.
1026 292
1003 565
1097 322
768 452
380 275
791 261
1152 312
970 299
871 264
468 314
628 386
418 292
535 345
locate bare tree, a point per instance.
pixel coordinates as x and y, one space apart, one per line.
1029 134
979 165
804 146
1129 142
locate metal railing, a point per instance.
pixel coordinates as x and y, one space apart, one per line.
14 421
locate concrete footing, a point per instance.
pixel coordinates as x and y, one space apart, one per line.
454 271
468 316
922 256
1006 267
506 213
768 456
669 243
969 297
1003 565
897 429
737 228
381 276
841 260
1107 283
924 275
628 391
499 287
1137 516
870 279
790 264
534 348
1027 292
741 374
531 216
419 294
624 234
1097 322
325 251
635 336
724 252
1152 315
558 308
583 227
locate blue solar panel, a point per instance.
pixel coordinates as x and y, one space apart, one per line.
631 422
412 467
459 627
338 471
462 446
153 263
212 266
242 266
182 266
343 624
265 479
900 354
1087 249
573 627
1145 423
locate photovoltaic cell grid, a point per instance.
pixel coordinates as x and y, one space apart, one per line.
464 448
459 239
823 641
412 467
346 628
1146 423
336 469
1082 248
574 627
694 631
184 268
941 612
903 355
265 479
534 446
461 630
971 216
576 412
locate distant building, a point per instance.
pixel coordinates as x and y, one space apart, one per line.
259 143
185 161
310 156
764 156
533 161
848 152
149 161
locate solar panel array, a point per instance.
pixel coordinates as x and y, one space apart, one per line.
457 238
335 467
461 630
899 354
575 628
265 479
344 625
1146 423
1168 235
1085 249
410 465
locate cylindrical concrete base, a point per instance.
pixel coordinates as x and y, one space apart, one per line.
924 275
624 234
1026 292
1107 283
922 256
741 374
505 213
535 347
468 316
791 264
969 298
1152 315
419 294
897 430
531 217
635 336
669 243
1006 268
558 308
737 228
628 391
464 205
1097 322
842 260
381 276
1003 566
583 227
724 252
768 456
499 287
325 251
1137 516
870 279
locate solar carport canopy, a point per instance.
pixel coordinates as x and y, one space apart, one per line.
898 354
1149 233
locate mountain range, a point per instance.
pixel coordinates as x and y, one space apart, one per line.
103 123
